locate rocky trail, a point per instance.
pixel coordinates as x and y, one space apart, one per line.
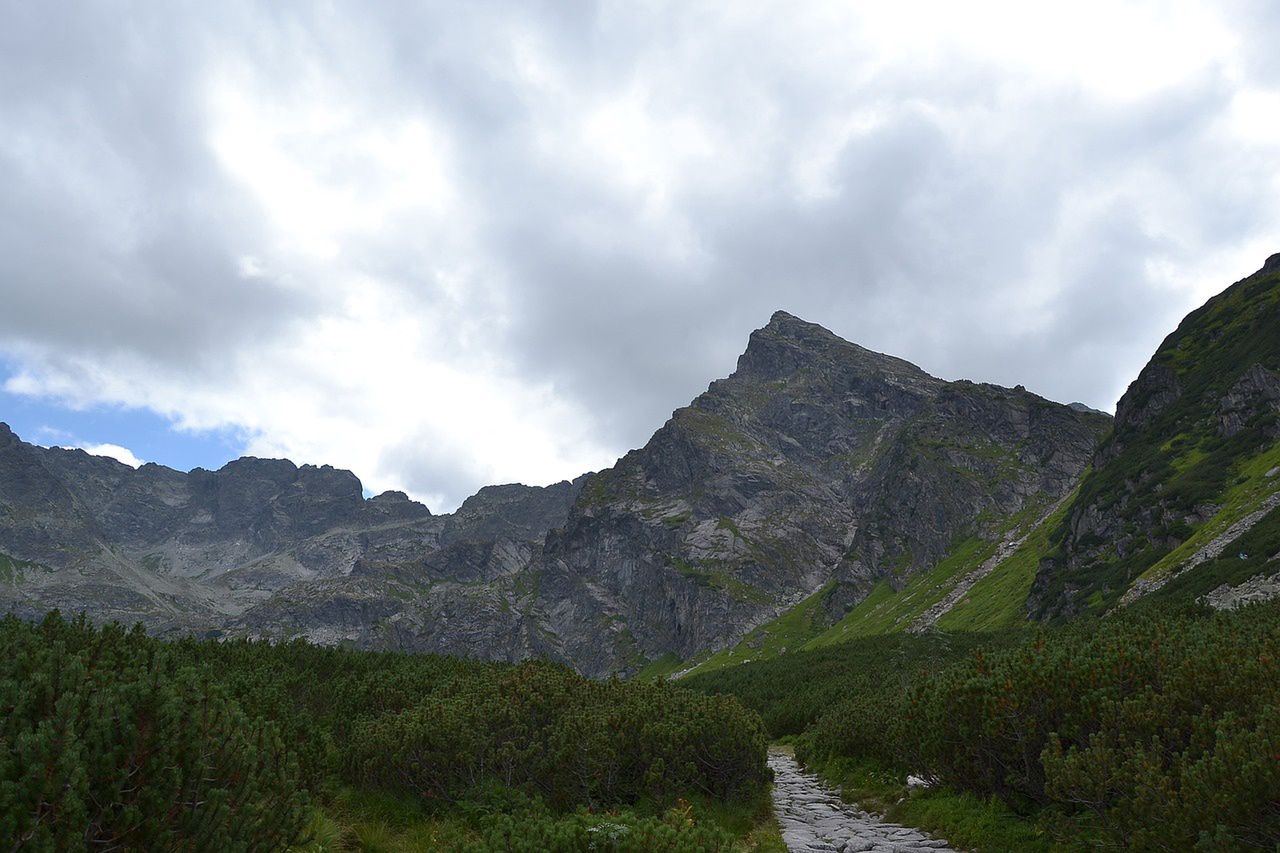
814 818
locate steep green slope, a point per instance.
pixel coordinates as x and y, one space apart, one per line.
999 600
995 601
1194 451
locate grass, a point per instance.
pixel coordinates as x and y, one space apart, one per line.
660 667
994 603
886 611
999 600
376 822
12 570
719 578
788 632
1255 552
1251 487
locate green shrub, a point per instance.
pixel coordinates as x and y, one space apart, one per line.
1162 726
106 741
568 739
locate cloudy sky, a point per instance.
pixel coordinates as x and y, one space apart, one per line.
447 244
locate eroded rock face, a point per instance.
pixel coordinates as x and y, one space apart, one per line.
1256 392
816 462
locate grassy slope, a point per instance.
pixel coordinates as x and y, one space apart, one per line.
788 632
886 611
997 601
1000 599
1249 489
1177 463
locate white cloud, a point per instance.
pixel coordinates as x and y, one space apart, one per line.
113 451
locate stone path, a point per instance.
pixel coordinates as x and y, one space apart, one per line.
814 818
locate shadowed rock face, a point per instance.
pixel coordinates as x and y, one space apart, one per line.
817 462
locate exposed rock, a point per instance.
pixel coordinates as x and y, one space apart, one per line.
1256 392
1081 407
817 461
1252 591
1210 551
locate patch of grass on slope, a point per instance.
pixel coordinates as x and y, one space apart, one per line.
1247 491
886 611
1000 599
13 570
1254 553
788 632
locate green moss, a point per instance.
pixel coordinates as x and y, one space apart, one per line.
13 571
714 430
718 576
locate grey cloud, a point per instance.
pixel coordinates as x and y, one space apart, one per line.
119 233
928 246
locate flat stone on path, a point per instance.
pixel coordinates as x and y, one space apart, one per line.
814 818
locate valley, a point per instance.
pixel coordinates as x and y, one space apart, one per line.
835 603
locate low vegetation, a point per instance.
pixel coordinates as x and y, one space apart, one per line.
1150 729
114 739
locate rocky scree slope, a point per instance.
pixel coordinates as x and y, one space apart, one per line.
817 465
1191 467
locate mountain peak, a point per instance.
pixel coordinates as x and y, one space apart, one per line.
789 344
1272 265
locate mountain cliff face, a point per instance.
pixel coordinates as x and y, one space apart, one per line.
1191 468
818 465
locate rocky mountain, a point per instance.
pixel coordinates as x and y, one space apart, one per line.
1184 495
816 467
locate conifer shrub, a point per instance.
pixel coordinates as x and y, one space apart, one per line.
107 741
568 739
112 739
1163 727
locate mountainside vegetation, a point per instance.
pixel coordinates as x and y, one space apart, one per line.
112 739
978 611
1195 449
